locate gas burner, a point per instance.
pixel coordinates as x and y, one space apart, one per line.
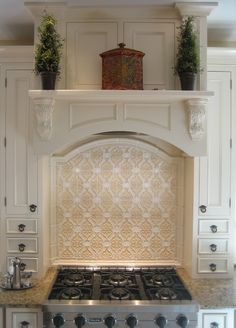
119 294
71 293
118 279
162 280
166 294
74 279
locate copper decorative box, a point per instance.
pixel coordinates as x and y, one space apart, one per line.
122 69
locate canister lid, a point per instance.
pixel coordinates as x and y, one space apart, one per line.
122 51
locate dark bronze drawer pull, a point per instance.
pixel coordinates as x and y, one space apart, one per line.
212 267
214 325
21 247
213 228
21 227
203 208
32 208
24 324
213 247
22 266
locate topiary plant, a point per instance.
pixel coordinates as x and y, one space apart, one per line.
49 49
187 59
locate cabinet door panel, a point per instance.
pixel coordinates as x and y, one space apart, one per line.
21 163
85 41
16 316
214 175
157 41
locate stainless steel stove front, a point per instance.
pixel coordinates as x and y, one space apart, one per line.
130 314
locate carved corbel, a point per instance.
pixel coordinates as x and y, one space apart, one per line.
197 117
43 109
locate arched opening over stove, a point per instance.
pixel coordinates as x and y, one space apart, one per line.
117 199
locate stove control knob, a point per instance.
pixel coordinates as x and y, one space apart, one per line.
161 321
80 321
58 320
131 321
182 321
110 321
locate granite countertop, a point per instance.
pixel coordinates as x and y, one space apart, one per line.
32 297
209 293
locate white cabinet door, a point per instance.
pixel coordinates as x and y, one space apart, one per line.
85 41
23 317
1 318
214 170
21 162
157 41
221 318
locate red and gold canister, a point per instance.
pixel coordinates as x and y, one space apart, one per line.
122 69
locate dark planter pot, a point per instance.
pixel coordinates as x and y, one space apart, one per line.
48 80
188 81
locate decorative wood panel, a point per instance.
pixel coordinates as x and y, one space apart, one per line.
85 41
157 41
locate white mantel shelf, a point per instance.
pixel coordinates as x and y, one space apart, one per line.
122 95
156 111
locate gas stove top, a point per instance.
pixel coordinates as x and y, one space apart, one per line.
118 284
108 296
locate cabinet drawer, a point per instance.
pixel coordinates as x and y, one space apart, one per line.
27 226
212 246
214 320
16 317
22 245
29 263
213 226
212 265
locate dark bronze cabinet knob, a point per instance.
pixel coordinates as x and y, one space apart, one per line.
203 208
24 324
21 227
214 325
213 247
33 208
22 266
212 267
213 228
21 247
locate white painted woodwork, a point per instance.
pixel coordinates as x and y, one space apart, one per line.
85 41
15 317
222 265
213 246
30 262
214 170
211 317
1 317
21 162
205 227
30 226
164 114
31 245
157 41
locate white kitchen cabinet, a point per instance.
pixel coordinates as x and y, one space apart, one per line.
213 190
214 256
85 41
214 170
23 318
221 318
1 317
21 162
157 41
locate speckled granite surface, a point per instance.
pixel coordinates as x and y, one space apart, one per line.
32 297
209 293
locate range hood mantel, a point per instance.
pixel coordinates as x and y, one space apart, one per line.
177 117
